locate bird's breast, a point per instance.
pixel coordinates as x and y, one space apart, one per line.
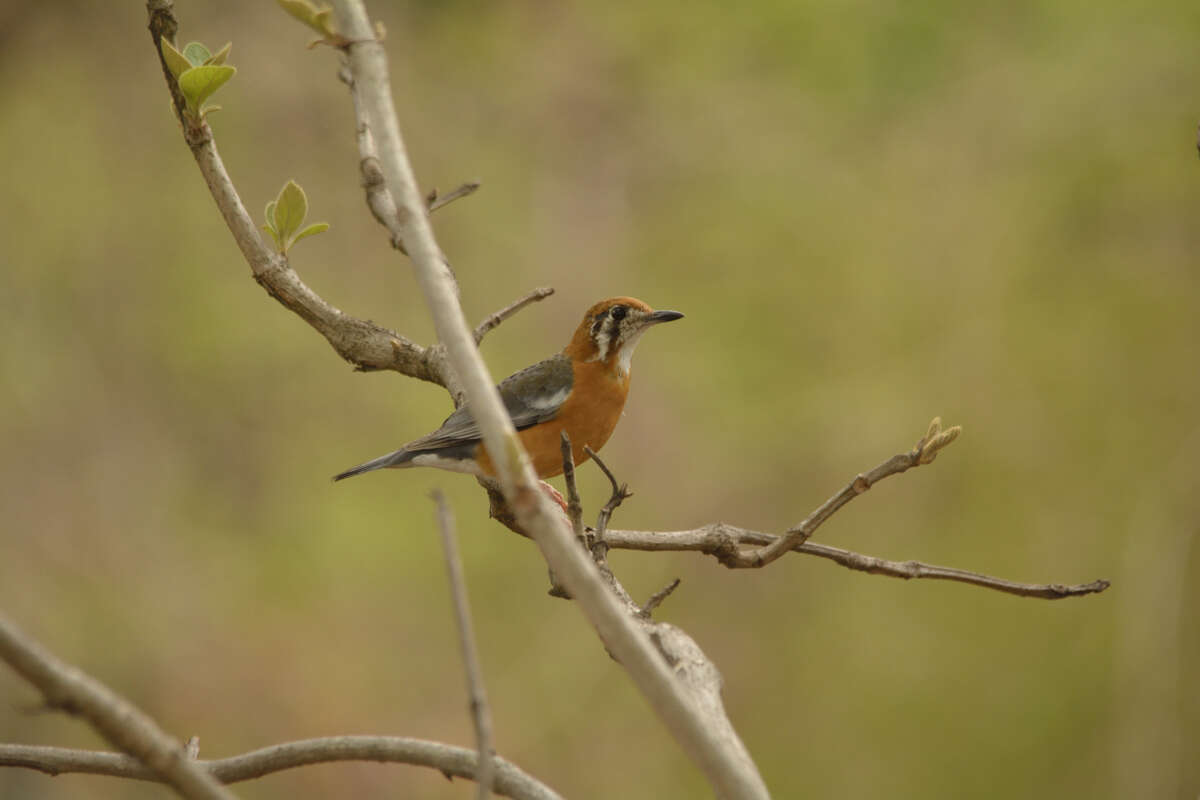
588 415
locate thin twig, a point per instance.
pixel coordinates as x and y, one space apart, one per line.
481 714
924 452
722 541
434 201
69 689
493 320
620 493
459 762
656 599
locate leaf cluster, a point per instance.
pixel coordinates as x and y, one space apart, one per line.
285 217
199 73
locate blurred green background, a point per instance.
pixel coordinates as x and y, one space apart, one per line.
871 213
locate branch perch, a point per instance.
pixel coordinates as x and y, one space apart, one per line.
721 541
459 762
66 688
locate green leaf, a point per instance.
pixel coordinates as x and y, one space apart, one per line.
316 18
271 215
219 57
311 230
175 60
196 53
199 83
290 211
274 236
323 22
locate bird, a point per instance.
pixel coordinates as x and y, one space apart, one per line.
580 390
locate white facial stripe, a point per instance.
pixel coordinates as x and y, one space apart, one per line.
603 341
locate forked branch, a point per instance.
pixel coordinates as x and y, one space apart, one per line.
924 452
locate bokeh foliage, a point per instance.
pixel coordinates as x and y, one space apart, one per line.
870 212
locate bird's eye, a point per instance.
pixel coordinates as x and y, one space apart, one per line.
619 312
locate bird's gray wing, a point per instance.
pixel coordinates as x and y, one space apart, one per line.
533 395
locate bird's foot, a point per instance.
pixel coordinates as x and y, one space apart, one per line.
554 495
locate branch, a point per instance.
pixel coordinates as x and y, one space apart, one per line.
364 344
728 768
924 452
435 201
459 762
620 493
486 327
721 541
116 719
480 713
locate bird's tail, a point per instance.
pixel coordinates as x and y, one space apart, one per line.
396 459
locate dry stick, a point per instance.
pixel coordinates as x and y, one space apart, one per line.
720 754
924 452
434 201
485 327
459 762
656 599
480 713
69 689
721 541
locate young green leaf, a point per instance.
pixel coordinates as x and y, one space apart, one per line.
290 210
175 60
196 53
219 57
271 215
323 22
316 18
311 230
199 83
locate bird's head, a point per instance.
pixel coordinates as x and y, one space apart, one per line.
611 329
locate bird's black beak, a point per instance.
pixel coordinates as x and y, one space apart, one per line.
656 317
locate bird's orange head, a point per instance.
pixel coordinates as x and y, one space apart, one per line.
611 329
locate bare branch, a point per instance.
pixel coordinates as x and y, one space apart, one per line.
727 764
485 327
480 713
924 452
69 689
721 541
459 762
